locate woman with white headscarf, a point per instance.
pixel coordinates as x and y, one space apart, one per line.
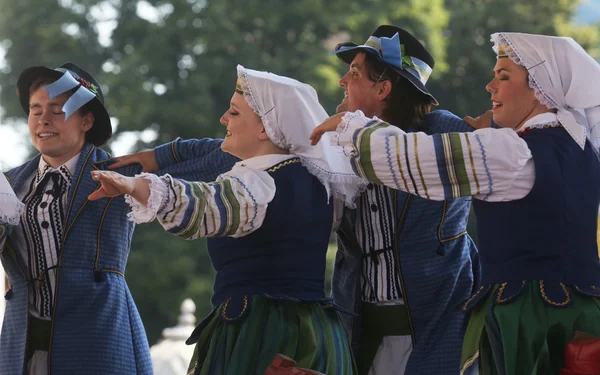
536 184
268 221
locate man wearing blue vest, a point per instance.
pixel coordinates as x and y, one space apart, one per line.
68 307
404 263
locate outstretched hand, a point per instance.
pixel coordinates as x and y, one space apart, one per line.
483 121
328 125
112 184
147 159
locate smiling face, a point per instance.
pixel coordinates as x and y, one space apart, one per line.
513 101
245 131
56 139
360 91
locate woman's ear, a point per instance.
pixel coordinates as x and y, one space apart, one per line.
263 135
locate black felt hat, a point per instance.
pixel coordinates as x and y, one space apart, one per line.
101 132
398 49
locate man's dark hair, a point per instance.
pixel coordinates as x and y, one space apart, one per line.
406 106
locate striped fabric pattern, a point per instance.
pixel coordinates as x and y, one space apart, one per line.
41 231
375 229
235 205
308 332
445 166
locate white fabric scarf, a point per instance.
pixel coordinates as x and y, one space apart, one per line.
10 206
289 111
563 76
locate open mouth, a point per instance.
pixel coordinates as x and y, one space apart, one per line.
228 134
496 105
47 135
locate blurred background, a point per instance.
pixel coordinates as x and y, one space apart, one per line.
167 69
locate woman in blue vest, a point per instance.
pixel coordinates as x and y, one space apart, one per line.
537 187
269 221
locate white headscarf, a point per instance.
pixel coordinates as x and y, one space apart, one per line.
564 78
290 111
10 206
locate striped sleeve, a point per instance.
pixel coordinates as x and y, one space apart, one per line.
484 163
235 205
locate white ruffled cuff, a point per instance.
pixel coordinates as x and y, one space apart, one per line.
344 134
11 209
145 213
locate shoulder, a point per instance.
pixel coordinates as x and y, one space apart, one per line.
441 115
442 121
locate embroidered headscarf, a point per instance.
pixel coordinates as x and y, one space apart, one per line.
290 111
563 76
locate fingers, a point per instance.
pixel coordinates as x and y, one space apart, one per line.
316 135
483 121
471 121
100 193
105 176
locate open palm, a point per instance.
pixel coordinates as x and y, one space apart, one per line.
112 184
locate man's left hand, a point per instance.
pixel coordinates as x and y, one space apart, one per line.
147 159
328 125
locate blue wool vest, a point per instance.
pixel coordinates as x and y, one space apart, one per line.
285 257
551 233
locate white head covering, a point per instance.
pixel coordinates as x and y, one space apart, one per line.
10 206
290 111
563 76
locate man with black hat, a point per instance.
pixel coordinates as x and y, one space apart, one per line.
69 310
404 262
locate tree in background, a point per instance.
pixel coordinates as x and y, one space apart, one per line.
172 70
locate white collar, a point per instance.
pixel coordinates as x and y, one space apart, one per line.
547 119
263 161
67 170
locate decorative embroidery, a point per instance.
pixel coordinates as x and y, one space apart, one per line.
554 124
465 306
501 292
487 169
284 164
564 287
224 309
389 160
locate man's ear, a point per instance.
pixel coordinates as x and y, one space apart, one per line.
263 135
385 89
88 121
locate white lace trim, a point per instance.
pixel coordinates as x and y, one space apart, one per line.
251 100
159 190
12 209
513 54
342 128
548 124
332 180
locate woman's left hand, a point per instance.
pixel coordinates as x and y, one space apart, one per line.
328 125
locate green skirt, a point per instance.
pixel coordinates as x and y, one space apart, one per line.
526 336
310 333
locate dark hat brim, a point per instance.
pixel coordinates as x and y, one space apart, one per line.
348 51
99 134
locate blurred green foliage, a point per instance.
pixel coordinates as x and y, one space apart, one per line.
172 69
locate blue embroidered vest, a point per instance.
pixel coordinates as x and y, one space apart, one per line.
285 257
549 235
